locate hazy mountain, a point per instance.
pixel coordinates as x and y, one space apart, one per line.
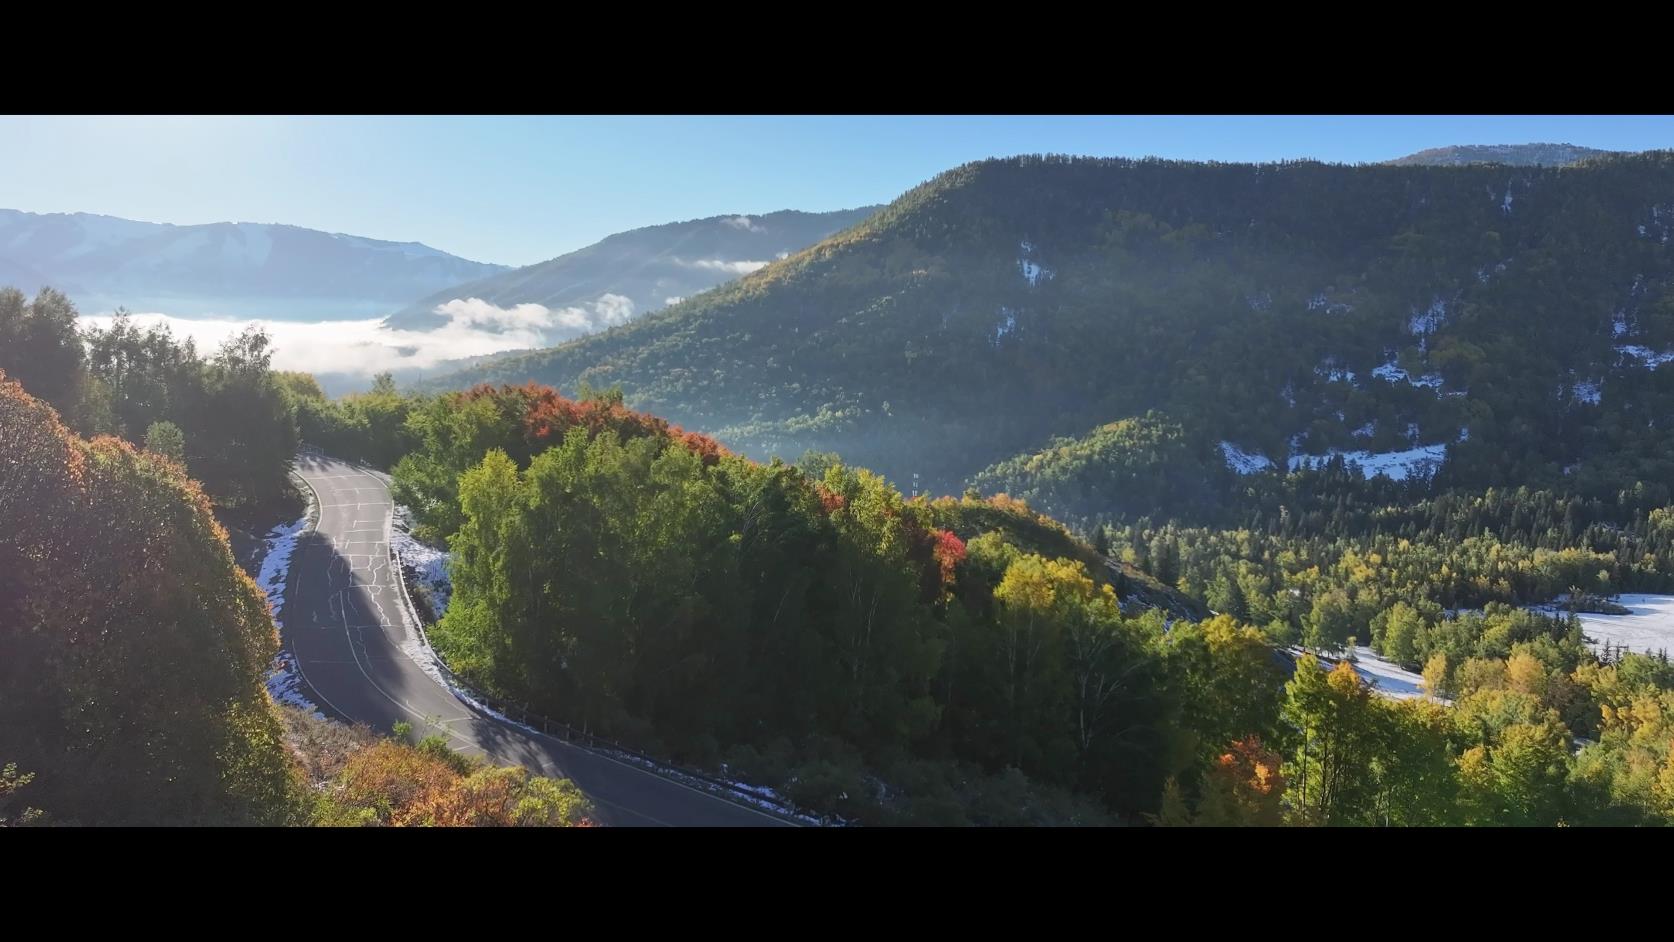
234 269
643 270
1500 324
1514 155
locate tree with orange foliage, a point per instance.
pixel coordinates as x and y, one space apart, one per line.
1243 788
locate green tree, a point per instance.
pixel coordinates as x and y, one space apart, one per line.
165 438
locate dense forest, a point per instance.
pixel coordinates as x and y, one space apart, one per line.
967 660
1514 316
225 416
135 648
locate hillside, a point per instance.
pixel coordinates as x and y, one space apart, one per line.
232 269
1511 155
1502 324
643 270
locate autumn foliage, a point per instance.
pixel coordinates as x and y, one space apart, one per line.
133 645
396 785
546 416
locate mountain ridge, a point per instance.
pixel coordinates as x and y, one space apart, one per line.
1335 308
650 266
230 268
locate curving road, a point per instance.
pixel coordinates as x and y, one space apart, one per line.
347 622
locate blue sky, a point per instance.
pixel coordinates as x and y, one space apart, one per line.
518 190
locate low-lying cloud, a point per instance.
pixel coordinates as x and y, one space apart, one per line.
472 327
567 322
745 223
731 268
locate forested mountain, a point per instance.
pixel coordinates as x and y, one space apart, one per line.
642 270
1504 324
233 269
1512 155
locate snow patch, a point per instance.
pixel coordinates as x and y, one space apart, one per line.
1366 431
1648 628
1244 462
1587 392
1007 325
1032 271
1648 358
1395 465
1386 677
284 681
1320 302
1331 372
276 564
284 685
1390 372
1423 323
430 564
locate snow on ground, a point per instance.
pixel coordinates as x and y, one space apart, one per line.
1006 325
1425 322
1366 431
1586 392
430 563
1244 462
1396 465
284 683
1394 374
1332 373
276 563
1650 627
1033 273
1388 678
1650 358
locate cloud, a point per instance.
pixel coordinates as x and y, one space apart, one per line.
673 299
731 268
745 223
562 323
364 347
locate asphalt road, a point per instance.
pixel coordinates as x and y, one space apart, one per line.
346 620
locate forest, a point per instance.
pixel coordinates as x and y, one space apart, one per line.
968 660
135 647
1147 383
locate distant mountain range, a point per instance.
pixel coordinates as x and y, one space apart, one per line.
1512 155
236 269
643 270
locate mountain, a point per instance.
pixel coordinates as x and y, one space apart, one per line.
237 269
650 268
1487 324
1512 155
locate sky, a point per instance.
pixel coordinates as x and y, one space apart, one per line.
518 190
